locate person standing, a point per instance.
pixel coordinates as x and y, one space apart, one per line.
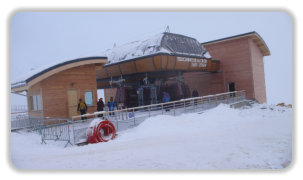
165 99
100 106
195 94
82 108
111 105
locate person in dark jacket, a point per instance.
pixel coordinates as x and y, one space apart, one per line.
82 108
100 106
195 94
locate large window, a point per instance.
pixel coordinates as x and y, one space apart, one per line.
88 98
35 102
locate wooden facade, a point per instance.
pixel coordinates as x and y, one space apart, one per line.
55 93
154 64
240 67
241 59
61 92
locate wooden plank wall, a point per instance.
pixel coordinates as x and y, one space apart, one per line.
204 82
54 89
258 72
235 61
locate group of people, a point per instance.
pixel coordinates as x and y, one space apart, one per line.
82 107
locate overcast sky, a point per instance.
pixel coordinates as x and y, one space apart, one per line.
40 38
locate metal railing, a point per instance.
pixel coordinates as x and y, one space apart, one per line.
48 128
21 120
74 131
130 117
18 108
56 130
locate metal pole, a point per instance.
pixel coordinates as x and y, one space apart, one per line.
117 122
174 109
149 111
134 117
73 130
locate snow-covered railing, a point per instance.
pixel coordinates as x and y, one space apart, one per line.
130 117
20 120
18 108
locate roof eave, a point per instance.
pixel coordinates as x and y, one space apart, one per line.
28 82
255 36
19 89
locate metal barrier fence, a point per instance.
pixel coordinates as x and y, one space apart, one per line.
49 129
57 130
130 117
21 120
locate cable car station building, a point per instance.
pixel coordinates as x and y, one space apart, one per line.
139 72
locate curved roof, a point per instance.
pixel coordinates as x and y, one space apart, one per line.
164 43
38 75
255 37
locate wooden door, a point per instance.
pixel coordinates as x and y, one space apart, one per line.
72 100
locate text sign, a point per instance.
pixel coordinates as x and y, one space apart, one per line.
194 61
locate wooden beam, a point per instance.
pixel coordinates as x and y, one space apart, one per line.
155 68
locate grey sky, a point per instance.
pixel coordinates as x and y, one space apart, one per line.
39 38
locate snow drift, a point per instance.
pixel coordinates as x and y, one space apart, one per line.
220 138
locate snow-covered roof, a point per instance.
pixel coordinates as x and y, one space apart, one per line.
23 79
167 43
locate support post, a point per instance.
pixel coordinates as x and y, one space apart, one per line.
174 109
134 117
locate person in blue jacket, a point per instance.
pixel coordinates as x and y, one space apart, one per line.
111 105
165 99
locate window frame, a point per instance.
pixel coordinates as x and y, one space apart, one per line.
92 98
35 102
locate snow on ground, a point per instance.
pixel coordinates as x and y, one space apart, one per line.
221 138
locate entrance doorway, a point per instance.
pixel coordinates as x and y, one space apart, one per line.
72 102
231 88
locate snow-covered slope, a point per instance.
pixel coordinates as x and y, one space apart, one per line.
220 138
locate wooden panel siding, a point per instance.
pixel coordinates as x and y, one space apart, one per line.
171 62
145 65
181 65
100 72
113 71
258 72
157 61
235 61
127 68
55 102
206 83
164 62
